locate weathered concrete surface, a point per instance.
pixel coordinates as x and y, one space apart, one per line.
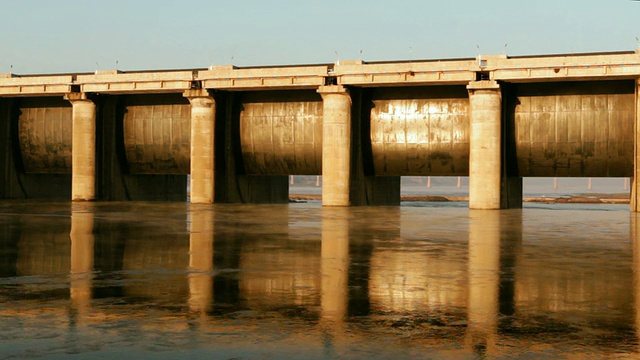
203 112
599 66
229 77
485 103
357 72
576 129
420 131
366 187
118 82
14 85
157 134
336 145
45 135
83 175
15 183
114 180
234 185
281 133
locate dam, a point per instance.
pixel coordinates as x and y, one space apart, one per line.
237 134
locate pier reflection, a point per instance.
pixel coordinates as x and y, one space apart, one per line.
635 241
494 240
335 264
201 250
82 260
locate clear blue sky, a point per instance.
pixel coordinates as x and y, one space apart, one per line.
51 36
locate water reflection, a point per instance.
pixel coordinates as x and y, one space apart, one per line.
484 280
306 281
490 293
82 257
635 239
335 264
201 223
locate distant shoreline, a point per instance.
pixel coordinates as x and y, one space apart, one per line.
622 198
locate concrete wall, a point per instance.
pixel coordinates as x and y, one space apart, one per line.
114 181
233 184
281 132
44 130
15 182
420 131
577 129
366 187
156 134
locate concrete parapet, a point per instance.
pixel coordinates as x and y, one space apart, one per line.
411 72
14 85
117 82
289 77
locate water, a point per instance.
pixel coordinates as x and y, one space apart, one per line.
424 280
449 186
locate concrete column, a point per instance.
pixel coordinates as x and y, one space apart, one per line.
203 112
336 145
83 153
635 194
485 170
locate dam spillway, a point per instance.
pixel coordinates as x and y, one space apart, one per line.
240 132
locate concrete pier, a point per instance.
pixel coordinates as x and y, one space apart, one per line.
83 178
635 195
336 145
485 168
82 260
203 109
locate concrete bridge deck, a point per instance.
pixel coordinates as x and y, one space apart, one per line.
238 132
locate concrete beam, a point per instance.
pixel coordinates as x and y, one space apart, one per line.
357 72
116 82
232 78
574 67
14 85
564 67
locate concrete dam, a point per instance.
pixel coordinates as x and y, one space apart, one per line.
240 132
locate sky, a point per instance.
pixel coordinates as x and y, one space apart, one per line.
69 36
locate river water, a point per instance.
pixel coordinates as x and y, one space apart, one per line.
423 280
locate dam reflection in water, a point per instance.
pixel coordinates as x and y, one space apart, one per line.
300 280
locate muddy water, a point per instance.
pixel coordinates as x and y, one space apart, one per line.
149 280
